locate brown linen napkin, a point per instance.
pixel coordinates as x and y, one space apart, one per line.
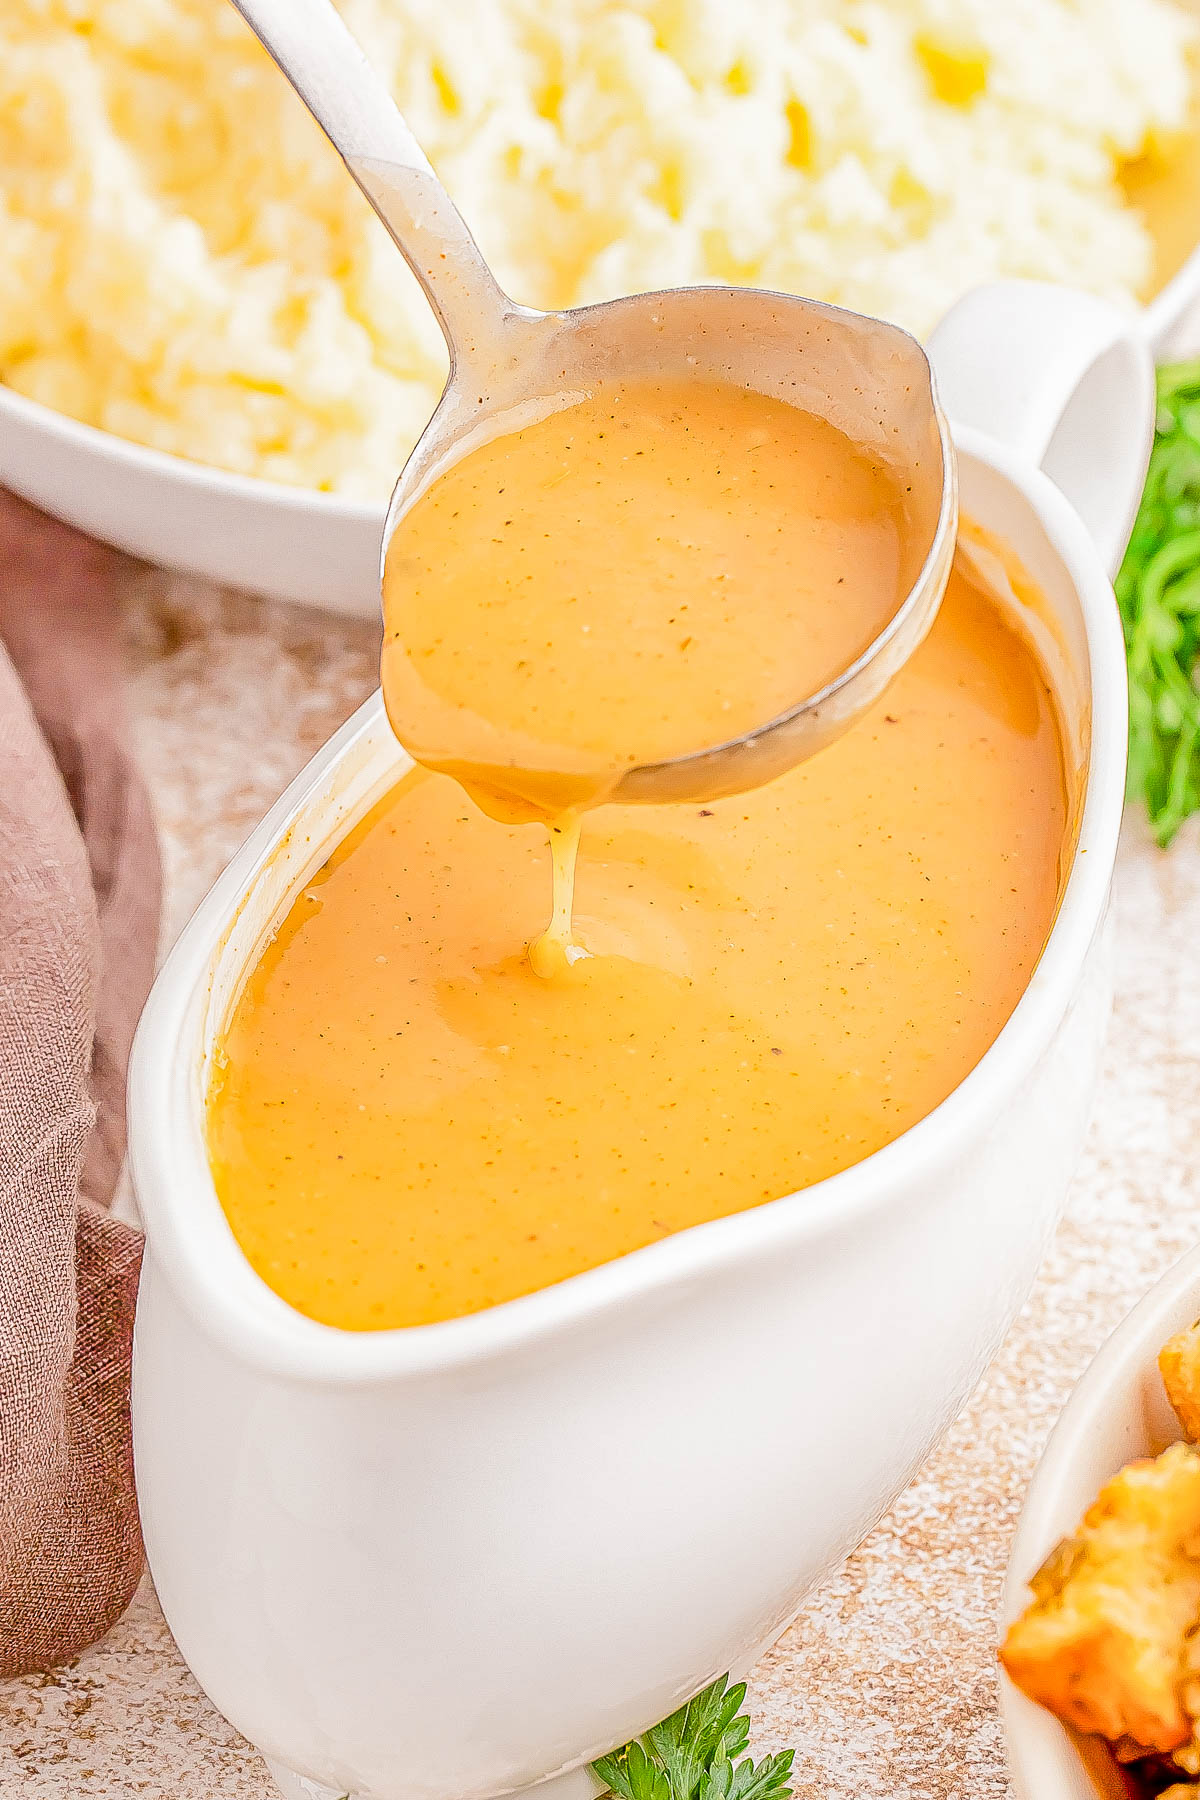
79 903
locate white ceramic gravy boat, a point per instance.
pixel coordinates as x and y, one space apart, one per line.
450 1562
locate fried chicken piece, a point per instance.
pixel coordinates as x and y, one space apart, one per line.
1186 1758
1179 1366
1103 1643
1156 1780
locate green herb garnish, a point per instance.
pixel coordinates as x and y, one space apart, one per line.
694 1754
1158 589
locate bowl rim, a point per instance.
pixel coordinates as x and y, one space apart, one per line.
1163 311
176 1186
142 461
1042 1752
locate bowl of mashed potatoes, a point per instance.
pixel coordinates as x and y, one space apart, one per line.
211 354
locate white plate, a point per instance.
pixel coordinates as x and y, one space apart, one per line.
288 543
1119 1411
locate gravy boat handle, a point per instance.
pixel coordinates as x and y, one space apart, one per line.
1064 379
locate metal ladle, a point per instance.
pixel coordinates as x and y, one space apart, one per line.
868 378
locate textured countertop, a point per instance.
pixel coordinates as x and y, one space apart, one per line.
886 1685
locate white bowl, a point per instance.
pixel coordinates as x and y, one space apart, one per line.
1117 1412
289 543
450 1562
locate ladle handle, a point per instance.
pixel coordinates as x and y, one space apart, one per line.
327 68
1064 379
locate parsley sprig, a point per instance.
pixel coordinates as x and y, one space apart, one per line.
1158 589
694 1755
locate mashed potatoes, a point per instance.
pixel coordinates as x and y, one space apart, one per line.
184 261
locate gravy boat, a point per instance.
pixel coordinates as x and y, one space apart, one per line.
459 1560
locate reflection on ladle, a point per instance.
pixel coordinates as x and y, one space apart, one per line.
511 367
